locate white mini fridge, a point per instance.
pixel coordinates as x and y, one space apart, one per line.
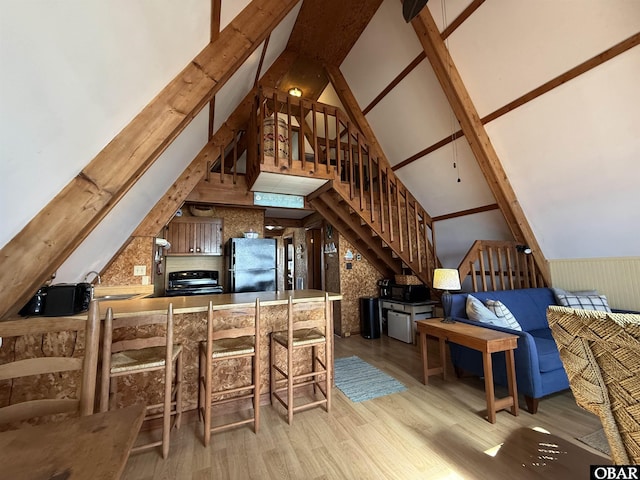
399 326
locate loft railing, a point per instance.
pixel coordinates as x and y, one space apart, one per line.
500 265
300 137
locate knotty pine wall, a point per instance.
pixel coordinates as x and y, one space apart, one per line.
618 278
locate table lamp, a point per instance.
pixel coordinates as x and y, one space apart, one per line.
446 279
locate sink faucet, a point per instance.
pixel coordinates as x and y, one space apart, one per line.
86 277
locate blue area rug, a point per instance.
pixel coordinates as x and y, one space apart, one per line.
360 381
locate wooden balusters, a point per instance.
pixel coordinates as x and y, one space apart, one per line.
496 265
390 207
290 132
381 195
327 147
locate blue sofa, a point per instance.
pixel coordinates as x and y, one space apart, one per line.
539 370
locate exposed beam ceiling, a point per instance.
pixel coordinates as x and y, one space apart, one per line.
474 131
60 227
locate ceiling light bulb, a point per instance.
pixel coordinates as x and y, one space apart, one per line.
295 92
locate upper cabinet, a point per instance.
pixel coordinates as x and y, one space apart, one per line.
195 236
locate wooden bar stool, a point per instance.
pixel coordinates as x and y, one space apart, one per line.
236 334
300 334
156 352
42 358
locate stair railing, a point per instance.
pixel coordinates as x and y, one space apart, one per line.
298 136
499 265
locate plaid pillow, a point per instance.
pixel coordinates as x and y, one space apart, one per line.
585 302
506 318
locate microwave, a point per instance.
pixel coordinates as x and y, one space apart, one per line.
409 293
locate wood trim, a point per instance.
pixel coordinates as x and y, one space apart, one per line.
428 150
470 211
350 104
474 131
261 62
407 70
215 33
61 226
421 56
576 71
584 67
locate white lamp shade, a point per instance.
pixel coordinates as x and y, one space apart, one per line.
446 279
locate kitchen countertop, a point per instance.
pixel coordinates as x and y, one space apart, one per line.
200 303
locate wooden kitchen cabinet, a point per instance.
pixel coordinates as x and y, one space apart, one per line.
195 236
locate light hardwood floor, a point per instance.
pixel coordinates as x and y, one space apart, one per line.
434 431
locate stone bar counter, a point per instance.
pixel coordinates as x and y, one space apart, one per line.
190 320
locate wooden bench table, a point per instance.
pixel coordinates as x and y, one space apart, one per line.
93 447
478 338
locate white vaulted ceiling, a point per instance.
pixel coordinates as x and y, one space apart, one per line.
75 73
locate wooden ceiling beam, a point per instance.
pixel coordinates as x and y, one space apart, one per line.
60 227
467 115
349 102
195 173
593 62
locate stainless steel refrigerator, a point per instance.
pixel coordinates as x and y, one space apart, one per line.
251 264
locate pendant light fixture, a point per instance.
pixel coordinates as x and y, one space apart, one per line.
411 8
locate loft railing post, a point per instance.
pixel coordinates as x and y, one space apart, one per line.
314 120
327 148
289 131
381 195
389 205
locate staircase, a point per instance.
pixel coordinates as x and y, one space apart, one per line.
362 198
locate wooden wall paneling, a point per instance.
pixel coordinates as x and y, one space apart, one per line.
326 30
59 228
460 101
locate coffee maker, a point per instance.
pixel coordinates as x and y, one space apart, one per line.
385 288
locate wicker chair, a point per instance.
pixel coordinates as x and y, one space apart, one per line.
600 353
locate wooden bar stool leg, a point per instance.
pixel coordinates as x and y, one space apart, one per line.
272 355
314 363
166 414
179 377
200 387
290 384
113 393
256 393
